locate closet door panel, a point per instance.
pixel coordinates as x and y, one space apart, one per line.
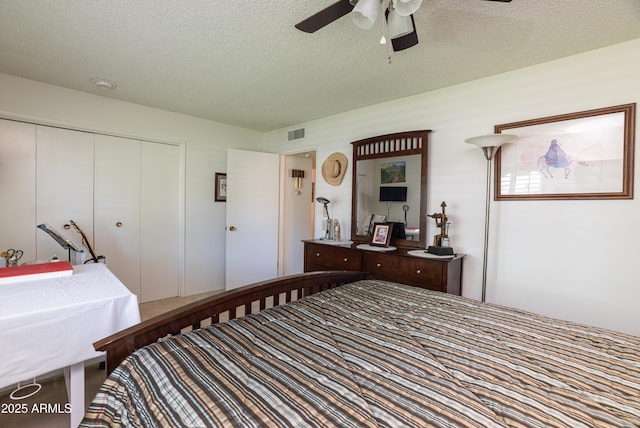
117 207
159 228
64 186
18 187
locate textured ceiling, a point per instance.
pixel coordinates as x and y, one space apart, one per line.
244 63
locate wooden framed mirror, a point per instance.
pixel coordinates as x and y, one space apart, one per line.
393 168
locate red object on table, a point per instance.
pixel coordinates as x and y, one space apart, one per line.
35 271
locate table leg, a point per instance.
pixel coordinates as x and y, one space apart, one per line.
74 379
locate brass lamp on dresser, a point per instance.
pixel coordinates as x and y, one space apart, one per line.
434 274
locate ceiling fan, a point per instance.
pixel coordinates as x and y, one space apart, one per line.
398 15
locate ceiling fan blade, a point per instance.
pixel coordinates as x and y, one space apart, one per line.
405 42
411 39
325 17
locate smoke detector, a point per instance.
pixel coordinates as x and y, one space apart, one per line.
103 83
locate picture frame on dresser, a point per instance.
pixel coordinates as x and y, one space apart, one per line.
381 235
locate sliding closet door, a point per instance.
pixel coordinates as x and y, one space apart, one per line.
64 188
159 228
18 187
117 207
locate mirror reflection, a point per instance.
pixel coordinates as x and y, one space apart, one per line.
388 189
390 185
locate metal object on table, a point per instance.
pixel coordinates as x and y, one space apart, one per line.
441 244
85 241
13 256
75 254
441 222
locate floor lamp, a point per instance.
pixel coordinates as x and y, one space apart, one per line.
489 144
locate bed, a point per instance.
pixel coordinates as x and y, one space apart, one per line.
335 349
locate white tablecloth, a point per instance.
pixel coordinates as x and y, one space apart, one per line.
52 323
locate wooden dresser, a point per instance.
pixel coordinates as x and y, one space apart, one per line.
434 274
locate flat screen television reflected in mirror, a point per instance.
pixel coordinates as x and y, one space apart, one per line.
393 193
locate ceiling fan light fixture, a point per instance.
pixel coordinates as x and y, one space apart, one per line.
399 25
406 7
365 13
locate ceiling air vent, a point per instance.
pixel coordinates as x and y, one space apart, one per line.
296 134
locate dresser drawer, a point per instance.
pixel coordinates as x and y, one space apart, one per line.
330 257
381 266
395 266
422 273
346 259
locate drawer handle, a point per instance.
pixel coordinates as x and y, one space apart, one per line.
418 271
378 265
317 254
346 259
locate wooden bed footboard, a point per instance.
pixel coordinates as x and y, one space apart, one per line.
231 304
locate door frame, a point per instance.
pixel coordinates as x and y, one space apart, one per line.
282 219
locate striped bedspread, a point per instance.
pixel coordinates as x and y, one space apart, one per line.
378 354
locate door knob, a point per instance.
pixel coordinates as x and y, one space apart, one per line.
232 228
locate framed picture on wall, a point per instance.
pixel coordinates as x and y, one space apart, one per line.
221 187
381 234
393 172
583 155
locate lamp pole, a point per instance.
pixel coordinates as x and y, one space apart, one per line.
488 154
489 144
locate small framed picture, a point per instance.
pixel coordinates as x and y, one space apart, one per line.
221 187
381 234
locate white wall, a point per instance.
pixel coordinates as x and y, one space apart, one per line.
568 259
205 141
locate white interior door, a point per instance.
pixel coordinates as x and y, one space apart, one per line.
18 188
159 227
117 207
252 217
64 160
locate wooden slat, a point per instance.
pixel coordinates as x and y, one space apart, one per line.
119 345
